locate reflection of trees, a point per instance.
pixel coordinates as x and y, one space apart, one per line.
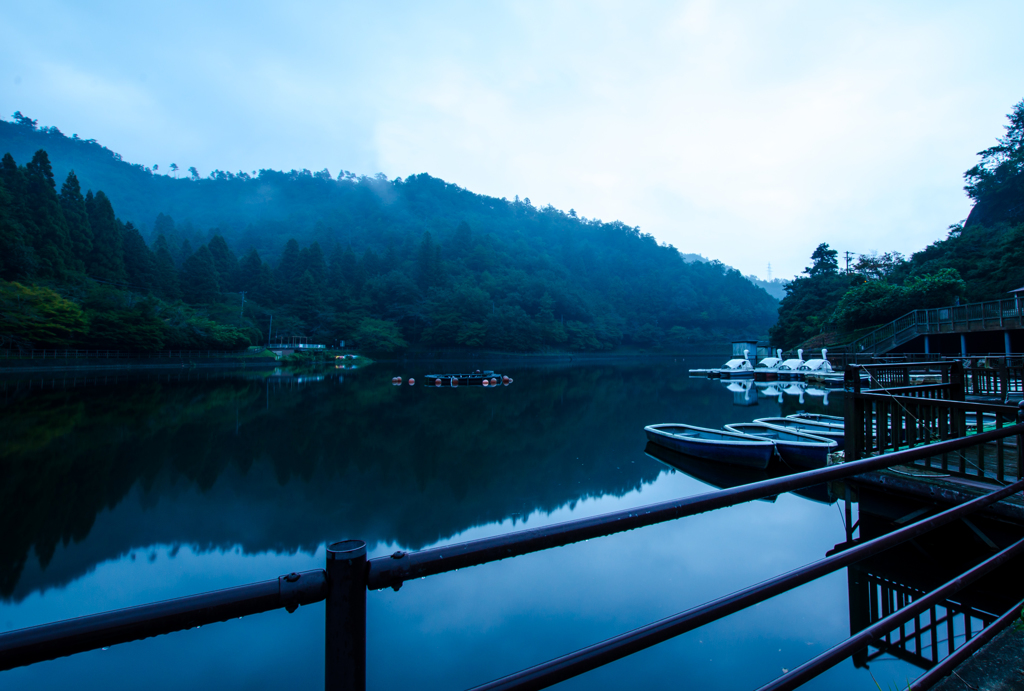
359 457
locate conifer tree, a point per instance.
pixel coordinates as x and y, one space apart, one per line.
224 261
166 274
72 204
289 271
139 262
254 278
199 277
184 252
16 256
315 263
308 300
48 227
350 269
335 269
106 261
426 262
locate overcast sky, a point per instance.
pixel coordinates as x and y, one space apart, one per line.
745 131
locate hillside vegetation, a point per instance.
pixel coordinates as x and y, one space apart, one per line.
156 261
980 259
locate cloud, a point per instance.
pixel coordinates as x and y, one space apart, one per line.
749 131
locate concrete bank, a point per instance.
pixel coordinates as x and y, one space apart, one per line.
998 666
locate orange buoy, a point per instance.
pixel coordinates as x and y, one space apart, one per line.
485 382
437 382
455 382
412 382
504 379
494 382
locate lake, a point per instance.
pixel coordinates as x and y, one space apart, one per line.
125 488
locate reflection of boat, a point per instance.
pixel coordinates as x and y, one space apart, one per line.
769 367
723 476
815 391
743 392
818 429
713 444
718 475
795 447
796 388
769 390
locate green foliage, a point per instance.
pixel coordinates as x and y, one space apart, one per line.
378 336
877 302
72 204
106 261
824 261
1001 165
47 226
443 266
199 277
38 316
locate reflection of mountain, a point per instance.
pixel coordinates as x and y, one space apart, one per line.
280 466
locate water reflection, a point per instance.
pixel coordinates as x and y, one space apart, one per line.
895 578
305 457
135 489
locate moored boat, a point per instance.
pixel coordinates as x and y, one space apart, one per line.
795 447
737 367
818 429
818 417
471 379
790 367
713 444
817 365
768 368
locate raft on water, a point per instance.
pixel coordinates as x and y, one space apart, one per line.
476 378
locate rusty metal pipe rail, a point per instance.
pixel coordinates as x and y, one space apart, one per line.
936 673
392 571
615 648
819 664
50 641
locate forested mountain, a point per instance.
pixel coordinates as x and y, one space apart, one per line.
153 261
981 259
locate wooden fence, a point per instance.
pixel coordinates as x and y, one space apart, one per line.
892 415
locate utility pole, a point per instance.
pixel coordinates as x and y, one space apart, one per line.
848 254
270 329
241 311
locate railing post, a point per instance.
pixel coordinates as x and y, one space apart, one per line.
345 659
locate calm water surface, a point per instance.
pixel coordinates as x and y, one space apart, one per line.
116 491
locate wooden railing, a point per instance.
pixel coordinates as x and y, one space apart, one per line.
975 316
78 354
885 413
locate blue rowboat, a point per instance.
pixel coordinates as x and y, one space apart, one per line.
713 444
796 448
818 417
817 428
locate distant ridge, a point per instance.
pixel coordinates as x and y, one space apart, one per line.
432 262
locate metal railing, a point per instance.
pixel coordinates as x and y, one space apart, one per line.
348 576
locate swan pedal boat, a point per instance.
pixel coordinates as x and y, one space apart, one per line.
713 444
